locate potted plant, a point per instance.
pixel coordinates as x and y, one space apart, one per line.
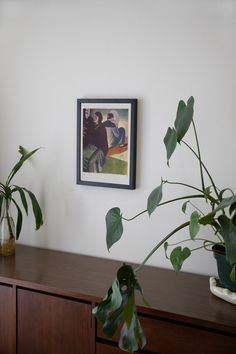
119 306
7 191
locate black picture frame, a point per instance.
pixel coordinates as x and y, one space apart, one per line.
106 142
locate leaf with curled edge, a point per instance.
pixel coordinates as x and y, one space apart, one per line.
154 199
114 227
170 141
124 287
184 118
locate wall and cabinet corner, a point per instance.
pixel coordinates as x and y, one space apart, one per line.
46 298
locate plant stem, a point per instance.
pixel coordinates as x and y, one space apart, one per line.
190 240
213 200
167 202
8 219
199 155
182 226
204 166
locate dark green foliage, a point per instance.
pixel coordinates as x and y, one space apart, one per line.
119 304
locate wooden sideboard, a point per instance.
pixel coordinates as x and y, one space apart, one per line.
46 298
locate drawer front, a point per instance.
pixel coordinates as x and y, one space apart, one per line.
7 320
102 348
49 324
107 348
167 337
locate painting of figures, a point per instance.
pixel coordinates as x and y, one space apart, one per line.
106 142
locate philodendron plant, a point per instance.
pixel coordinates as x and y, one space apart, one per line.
8 190
119 305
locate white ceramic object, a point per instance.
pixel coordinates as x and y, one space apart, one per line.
223 293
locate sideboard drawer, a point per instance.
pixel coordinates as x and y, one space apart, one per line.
170 337
102 348
108 348
165 337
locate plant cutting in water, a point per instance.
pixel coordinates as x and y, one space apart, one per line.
7 192
119 305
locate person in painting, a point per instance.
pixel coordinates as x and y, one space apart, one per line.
99 137
87 127
115 134
94 154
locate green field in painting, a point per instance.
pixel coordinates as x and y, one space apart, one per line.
116 166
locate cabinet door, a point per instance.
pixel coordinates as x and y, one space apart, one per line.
49 324
7 320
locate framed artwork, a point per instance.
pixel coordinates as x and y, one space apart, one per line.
106 142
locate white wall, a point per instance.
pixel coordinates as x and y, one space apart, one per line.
159 51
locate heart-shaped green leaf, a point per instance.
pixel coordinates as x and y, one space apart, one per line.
114 226
178 256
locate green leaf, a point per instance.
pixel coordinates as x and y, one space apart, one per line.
232 208
114 226
22 196
178 256
170 141
139 335
126 276
131 338
233 274
102 309
184 206
116 298
126 283
112 322
129 310
194 225
234 219
23 158
138 287
228 231
207 219
227 202
154 199
22 150
184 118
36 209
19 219
1 201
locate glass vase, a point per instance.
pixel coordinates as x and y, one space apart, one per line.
7 231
